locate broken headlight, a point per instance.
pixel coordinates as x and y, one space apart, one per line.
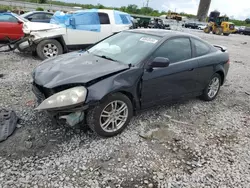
64 98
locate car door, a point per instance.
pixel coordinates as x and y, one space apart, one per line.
177 80
202 52
106 28
10 27
86 31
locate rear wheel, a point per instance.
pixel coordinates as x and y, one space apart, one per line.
212 89
49 48
226 34
112 116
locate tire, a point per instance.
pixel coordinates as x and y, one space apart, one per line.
226 34
94 119
50 44
218 31
207 30
205 96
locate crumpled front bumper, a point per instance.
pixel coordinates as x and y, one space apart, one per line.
28 43
70 116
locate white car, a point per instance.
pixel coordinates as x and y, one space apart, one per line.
201 26
72 31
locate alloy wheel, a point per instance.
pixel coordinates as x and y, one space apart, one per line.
214 86
114 116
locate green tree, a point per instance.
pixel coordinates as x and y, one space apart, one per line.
147 10
42 1
132 9
247 20
123 8
100 6
39 9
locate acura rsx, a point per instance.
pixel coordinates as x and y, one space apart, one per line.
106 84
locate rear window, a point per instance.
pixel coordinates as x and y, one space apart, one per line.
7 18
200 47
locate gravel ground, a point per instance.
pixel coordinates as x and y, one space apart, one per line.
189 144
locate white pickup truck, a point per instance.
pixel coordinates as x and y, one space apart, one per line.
72 31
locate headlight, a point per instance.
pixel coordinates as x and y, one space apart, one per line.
64 98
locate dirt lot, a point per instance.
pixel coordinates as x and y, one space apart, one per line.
189 144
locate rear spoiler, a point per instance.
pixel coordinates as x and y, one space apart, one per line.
222 48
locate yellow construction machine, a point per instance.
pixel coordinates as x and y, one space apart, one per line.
174 16
219 24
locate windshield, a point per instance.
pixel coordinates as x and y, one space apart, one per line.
125 47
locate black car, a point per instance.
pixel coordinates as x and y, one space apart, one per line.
191 25
133 70
246 31
38 16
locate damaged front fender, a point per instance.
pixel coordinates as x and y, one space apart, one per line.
127 82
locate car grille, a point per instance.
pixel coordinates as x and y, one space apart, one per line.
39 95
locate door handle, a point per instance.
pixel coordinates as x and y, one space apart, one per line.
93 30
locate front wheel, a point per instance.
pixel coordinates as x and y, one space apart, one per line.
218 31
207 30
49 48
212 89
112 116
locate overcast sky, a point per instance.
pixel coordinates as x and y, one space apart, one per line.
240 9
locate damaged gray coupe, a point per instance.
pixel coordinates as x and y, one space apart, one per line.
105 85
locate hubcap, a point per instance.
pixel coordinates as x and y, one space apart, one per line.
213 87
50 50
114 116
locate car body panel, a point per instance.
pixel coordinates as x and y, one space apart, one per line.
127 81
163 84
74 38
75 67
11 29
144 87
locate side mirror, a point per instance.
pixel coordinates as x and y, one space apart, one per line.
29 19
72 22
19 22
159 62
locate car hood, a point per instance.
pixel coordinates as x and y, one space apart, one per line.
36 26
73 68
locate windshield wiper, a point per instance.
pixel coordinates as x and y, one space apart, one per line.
106 57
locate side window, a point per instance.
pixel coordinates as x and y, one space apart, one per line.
104 18
37 16
48 16
178 49
124 19
201 47
8 18
87 18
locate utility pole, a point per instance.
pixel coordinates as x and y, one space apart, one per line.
147 2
